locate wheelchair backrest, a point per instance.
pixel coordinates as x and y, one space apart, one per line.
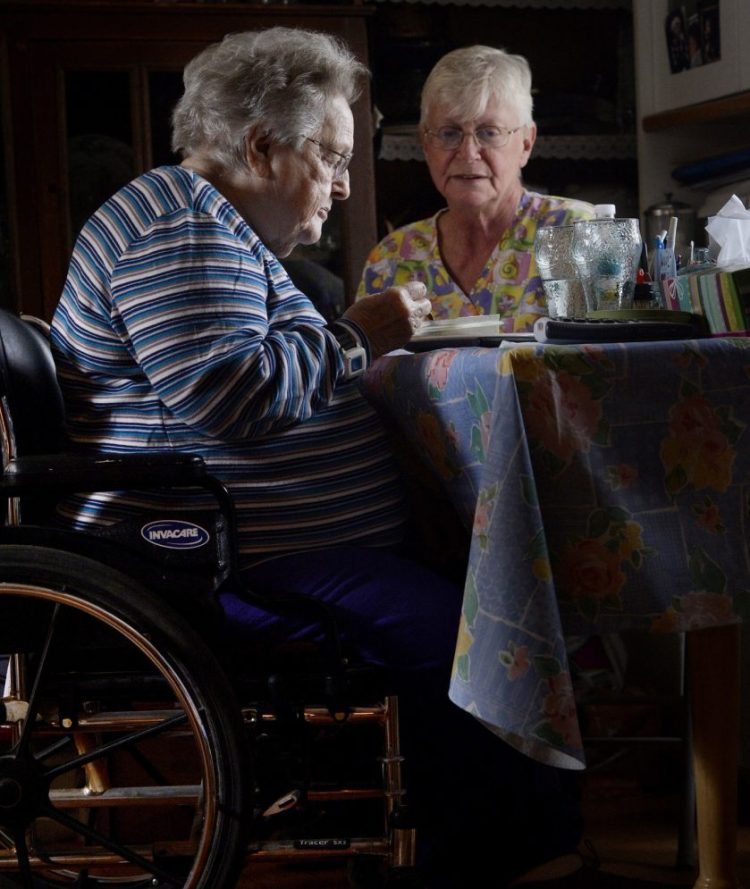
156 546
32 415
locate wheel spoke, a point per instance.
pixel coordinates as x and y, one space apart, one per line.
24 865
124 741
52 749
148 767
23 741
94 836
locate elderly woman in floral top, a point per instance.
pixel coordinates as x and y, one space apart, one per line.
476 256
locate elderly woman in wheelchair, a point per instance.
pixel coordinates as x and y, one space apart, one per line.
210 569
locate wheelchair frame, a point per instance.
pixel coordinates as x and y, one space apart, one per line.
133 749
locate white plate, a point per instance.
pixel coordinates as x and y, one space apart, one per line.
472 325
444 341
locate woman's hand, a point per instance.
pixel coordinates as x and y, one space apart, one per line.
390 318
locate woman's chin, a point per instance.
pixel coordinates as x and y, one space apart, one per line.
472 192
311 235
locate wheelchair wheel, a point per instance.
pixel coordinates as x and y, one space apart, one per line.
122 756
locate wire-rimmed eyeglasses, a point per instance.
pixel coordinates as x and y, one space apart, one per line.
450 138
335 160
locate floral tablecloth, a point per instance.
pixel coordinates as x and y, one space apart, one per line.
606 487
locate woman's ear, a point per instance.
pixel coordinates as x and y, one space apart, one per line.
529 137
258 145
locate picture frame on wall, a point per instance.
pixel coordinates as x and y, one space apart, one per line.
669 86
693 34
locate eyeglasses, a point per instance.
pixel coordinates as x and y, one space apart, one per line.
450 138
335 160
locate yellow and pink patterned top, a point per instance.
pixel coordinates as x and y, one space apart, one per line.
508 286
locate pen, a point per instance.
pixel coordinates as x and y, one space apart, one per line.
656 258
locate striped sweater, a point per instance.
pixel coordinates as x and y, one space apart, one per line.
177 328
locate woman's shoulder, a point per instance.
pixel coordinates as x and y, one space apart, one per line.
133 211
156 192
402 255
180 188
556 207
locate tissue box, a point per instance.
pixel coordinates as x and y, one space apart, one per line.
721 296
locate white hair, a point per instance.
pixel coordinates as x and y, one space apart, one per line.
280 78
464 80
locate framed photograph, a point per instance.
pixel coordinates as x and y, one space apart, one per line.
667 81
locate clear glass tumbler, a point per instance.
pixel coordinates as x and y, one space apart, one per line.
606 254
562 285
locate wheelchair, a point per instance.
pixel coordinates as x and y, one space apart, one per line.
138 748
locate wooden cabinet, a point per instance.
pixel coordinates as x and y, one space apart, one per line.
89 87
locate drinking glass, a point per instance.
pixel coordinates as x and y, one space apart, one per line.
606 254
562 286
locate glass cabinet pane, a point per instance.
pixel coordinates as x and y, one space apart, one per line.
164 89
99 132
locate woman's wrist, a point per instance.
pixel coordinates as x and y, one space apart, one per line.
355 347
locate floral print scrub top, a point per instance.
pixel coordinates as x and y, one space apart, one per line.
508 286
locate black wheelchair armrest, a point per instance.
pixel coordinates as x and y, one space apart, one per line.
69 472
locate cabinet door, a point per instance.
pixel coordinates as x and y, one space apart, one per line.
90 93
100 116
115 124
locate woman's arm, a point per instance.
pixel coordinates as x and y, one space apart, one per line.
224 338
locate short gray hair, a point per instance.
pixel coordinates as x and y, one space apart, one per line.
280 78
464 80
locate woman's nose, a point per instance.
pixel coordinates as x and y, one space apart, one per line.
469 146
340 190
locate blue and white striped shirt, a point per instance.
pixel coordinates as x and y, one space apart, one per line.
177 328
